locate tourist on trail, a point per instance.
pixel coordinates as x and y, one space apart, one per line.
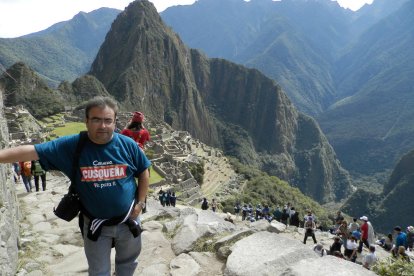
338 220
213 205
351 248
370 258
410 238
308 216
237 210
111 202
173 199
400 239
258 212
294 217
250 210
277 214
310 228
204 204
16 172
354 225
167 198
136 129
26 173
343 232
245 210
336 245
285 215
364 233
38 171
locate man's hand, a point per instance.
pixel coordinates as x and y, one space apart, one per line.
135 213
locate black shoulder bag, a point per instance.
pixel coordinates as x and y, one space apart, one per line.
69 206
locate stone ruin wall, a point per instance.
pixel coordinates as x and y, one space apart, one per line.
9 209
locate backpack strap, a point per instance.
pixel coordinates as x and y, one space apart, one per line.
83 137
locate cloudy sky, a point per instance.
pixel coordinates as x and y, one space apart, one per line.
20 17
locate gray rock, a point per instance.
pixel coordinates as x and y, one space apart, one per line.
232 238
152 226
276 227
209 264
265 253
184 265
223 252
188 234
326 266
260 225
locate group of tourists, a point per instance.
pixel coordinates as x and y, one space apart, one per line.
167 198
348 235
25 170
287 215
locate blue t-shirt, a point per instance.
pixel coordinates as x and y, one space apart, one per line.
105 179
401 239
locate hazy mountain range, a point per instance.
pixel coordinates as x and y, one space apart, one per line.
349 70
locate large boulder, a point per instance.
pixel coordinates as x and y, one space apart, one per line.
197 226
265 253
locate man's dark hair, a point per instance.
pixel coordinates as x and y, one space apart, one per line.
101 102
136 125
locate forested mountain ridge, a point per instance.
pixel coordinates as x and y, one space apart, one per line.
350 68
147 67
65 50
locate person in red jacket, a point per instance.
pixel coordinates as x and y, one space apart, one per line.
364 234
136 130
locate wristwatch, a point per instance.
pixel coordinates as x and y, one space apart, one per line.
142 204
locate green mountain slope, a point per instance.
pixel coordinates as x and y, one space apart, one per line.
292 42
371 127
65 50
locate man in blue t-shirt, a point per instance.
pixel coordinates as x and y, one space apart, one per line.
108 165
400 239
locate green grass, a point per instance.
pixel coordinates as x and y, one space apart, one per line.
69 128
155 177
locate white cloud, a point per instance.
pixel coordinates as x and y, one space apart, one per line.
353 4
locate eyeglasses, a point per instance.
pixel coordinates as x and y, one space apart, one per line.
98 121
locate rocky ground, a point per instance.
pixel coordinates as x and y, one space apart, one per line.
176 241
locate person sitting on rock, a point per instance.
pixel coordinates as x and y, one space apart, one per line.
310 228
402 254
351 249
336 245
370 258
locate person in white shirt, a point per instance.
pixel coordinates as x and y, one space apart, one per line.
370 258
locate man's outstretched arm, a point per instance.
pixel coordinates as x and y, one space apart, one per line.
20 153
